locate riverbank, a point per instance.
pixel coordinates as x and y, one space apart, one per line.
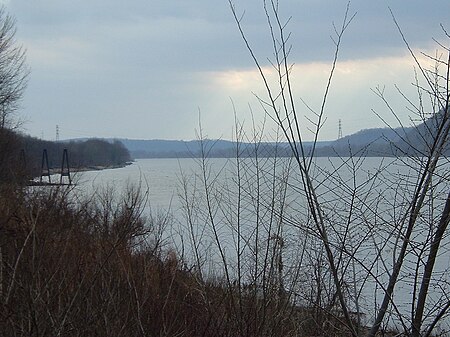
99 167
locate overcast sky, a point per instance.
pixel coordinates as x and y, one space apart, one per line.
147 69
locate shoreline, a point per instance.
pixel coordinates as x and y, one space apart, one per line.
74 170
95 167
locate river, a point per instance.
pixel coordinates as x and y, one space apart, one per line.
257 209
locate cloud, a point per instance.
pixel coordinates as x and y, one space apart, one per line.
351 98
144 68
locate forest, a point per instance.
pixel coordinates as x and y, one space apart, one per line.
22 156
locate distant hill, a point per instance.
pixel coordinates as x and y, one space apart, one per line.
376 142
158 148
382 142
367 136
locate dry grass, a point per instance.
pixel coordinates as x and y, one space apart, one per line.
89 269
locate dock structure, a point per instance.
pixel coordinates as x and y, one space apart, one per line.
45 168
45 177
65 169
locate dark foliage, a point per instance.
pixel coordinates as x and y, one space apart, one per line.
21 156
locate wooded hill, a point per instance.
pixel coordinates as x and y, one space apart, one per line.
21 155
377 142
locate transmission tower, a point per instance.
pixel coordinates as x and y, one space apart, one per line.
57 133
340 130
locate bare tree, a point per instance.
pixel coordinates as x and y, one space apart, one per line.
13 78
404 217
13 70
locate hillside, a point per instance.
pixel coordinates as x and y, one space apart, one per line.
21 155
158 148
376 142
384 142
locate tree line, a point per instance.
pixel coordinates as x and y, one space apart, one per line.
21 155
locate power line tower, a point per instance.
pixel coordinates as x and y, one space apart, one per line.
57 133
65 169
340 130
45 168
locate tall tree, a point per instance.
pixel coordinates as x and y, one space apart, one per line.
13 70
13 80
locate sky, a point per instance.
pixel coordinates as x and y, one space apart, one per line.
158 69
